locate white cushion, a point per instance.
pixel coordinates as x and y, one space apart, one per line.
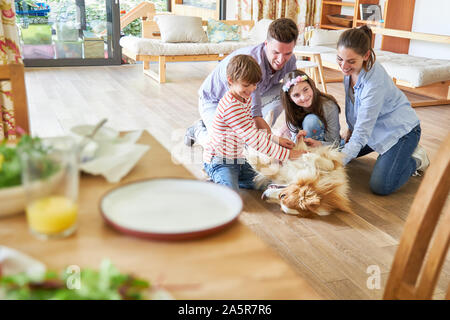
418 71
156 47
259 31
175 28
327 38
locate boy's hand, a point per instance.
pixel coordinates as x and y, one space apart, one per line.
284 142
300 134
295 154
312 143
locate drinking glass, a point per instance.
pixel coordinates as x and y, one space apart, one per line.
51 179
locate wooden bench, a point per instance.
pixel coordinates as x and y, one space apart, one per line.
146 12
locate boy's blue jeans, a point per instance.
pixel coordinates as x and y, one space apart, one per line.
233 173
394 167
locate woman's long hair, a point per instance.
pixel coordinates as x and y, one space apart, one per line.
296 114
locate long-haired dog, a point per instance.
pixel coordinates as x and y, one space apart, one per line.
314 183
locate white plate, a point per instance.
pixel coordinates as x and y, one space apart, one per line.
170 209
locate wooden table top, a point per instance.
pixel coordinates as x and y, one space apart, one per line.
231 264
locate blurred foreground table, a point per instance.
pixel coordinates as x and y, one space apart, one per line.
232 264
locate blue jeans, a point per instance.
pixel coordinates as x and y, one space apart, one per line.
233 173
314 127
394 167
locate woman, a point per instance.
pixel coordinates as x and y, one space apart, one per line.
379 116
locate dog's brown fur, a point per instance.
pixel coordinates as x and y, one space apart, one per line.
315 183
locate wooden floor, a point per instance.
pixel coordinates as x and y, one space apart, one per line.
336 253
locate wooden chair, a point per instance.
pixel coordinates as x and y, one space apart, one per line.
415 271
15 74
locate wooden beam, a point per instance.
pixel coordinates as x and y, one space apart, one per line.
412 35
429 103
437 90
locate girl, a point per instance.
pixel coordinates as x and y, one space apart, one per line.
309 112
378 114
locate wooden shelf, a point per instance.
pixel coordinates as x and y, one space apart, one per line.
332 26
371 23
340 3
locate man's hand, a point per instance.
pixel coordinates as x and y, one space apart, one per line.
261 124
295 154
310 142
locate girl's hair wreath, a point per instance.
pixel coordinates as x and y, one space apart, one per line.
293 82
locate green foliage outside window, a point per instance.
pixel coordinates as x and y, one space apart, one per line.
64 11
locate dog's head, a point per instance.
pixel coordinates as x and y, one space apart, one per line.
295 199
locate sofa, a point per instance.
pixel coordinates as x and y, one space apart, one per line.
171 38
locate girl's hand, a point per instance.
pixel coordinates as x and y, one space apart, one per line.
312 143
301 133
348 135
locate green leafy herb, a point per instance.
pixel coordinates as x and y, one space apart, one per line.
105 284
10 167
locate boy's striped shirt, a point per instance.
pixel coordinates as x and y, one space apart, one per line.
233 127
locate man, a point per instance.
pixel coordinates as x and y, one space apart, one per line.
275 57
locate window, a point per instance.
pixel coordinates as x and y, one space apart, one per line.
74 32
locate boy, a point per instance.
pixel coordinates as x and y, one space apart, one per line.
233 127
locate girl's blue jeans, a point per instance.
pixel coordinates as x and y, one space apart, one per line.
394 167
315 128
233 173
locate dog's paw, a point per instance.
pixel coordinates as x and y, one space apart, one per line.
287 210
322 212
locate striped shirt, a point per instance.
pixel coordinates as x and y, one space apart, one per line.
233 127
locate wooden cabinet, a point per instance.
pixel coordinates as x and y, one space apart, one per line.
397 14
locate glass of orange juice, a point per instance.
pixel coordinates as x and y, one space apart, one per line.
50 177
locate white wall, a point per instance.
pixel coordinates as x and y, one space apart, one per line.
431 16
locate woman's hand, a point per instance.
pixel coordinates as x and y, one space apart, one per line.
348 135
310 142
